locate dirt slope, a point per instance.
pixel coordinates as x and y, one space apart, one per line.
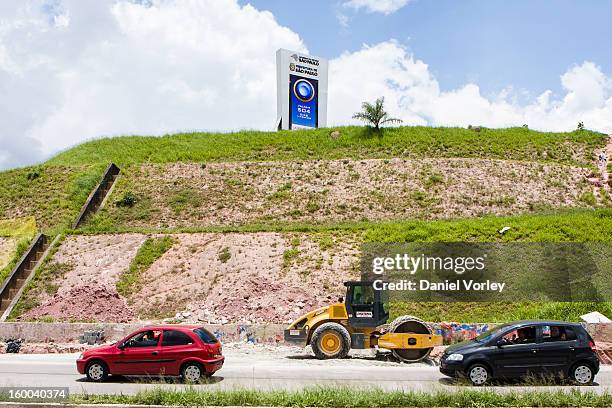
81 280
188 195
215 278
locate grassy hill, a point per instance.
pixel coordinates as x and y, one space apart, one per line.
354 142
406 184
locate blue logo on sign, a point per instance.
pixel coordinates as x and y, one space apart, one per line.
303 90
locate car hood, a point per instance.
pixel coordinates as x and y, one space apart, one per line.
462 347
99 349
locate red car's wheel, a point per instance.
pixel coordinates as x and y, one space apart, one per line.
192 372
96 371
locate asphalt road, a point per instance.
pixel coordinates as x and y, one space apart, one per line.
263 371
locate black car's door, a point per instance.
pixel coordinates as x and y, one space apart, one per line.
518 354
556 348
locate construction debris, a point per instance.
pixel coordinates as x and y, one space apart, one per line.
595 317
13 345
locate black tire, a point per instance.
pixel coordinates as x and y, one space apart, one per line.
337 341
96 371
192 372
582 374
478 374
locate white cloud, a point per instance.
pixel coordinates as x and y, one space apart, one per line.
414 95
77 70
377 6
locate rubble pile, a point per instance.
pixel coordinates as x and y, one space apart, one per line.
100 303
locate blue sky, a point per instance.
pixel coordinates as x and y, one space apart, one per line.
497 43
73 70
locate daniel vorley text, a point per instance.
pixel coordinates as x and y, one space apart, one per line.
446 286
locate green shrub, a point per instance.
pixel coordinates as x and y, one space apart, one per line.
128 199
151 250
225 255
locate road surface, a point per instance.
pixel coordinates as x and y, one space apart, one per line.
262 370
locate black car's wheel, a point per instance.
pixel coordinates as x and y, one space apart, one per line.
192 372
96 371
582 374
478 374
330 340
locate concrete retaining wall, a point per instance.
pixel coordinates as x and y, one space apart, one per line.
268 334
71 332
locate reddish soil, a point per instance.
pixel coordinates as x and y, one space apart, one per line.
213 278
255 284
85 288
98 303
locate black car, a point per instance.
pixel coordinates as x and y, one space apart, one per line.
519 349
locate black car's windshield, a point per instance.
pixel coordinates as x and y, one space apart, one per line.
489 334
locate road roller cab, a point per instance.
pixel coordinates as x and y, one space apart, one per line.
358 323
364 305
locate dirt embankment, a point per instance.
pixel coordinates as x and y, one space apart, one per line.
212 278
261 277
80 281
187 195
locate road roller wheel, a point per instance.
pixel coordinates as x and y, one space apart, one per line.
410 324
330 340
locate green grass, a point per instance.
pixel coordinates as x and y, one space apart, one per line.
352 397
22 230
151 250
497 312
54 197
20 249
18 227
355 142
43 276
559 226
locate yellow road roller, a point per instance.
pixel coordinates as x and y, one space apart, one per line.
360 323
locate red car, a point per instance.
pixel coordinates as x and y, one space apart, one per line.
191 352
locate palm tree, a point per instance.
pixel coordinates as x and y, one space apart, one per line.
375 114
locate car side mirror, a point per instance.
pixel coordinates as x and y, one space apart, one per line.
500 343
121 346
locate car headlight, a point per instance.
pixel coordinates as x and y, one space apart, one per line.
455 357
81 356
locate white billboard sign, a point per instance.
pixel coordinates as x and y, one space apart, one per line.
301 90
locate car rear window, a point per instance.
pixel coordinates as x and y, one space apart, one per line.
206 336
175 338
552 333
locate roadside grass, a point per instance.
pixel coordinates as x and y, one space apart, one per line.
53 195
346 397
151 250
354 142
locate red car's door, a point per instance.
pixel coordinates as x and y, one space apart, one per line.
176 346
139 355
